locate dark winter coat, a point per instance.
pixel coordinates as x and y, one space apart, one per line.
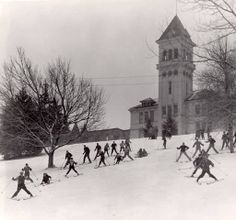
98 147
86 150
113 145
102 155
183 148
205 164
27 170
198 144
106 147
46 179
72 163
21 180
68 155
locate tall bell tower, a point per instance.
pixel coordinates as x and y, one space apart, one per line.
175 74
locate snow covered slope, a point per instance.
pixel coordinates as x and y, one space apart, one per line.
150 188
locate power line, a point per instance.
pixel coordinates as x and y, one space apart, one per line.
122 77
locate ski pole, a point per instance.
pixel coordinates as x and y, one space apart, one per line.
62 165
80 158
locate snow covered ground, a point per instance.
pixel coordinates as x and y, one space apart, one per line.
154 187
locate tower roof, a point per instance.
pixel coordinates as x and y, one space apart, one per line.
175 29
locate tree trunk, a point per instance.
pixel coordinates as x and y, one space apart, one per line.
231 144
51 159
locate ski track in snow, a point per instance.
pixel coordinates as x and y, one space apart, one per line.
153 187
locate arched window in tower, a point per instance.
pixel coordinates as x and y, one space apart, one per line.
170 87
170 73
176 53
175 72
164 55
170 55
164 74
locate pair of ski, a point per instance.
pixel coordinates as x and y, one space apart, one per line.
21 199
207 183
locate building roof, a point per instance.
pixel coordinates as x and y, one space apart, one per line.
175 29
199 95
147 100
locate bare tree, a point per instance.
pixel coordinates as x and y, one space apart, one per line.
219 80
60 101
221 15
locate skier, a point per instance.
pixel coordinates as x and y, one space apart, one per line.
102 158
126 152
234 137
71 166
211 141
225 140
98 148
183 148
205 164
122 146
118 158
164 141
106 149
198 145
20 185
27 170
197 161
86 154
127 143
113 147
67 158
46 179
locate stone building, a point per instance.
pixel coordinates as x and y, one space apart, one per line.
176 96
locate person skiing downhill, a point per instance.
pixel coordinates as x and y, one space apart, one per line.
86 154
27 170
183 148
122 146
211 144
102 158
205 164
106 149
67 158
46 179
71 166
98 148
197 161
126 152
118 158
127 143
198 145
113 148
20 185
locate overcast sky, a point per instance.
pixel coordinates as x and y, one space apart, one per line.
104 39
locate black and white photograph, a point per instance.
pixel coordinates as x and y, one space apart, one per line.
117 109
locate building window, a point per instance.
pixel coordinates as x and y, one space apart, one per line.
164 74
175 72
184 73
197 109
146 116
163 110
140 117
169 73
152 116
164 55
175 109
169 111
170 54
170 87
176 53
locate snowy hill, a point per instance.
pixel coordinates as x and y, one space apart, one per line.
153 187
